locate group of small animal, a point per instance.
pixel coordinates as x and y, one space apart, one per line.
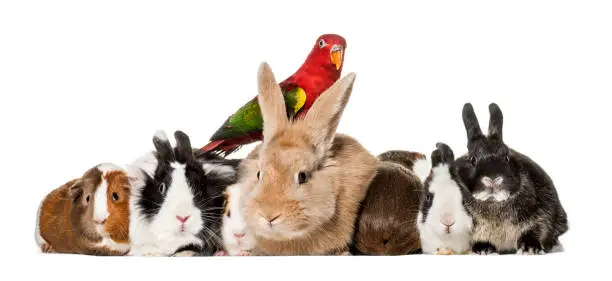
306 189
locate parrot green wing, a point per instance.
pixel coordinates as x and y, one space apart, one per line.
294 101
248 119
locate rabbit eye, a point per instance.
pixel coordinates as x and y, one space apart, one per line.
473 160
507 158
302 177
321 43
429 198
115 196
162 187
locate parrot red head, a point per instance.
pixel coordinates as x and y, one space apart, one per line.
327 53
332 45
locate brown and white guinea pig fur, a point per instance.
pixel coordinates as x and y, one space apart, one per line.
305 182
386 224
88 215
413 161
236 238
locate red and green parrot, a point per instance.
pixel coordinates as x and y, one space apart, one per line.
320 70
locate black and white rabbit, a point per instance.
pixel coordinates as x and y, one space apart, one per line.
445 225
177 200
513 201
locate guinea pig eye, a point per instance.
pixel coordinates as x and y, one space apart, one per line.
507 159
87 199
162 188
302 178
115 196
321 43
258 175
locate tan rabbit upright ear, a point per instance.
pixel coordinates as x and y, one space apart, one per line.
324 115
271 101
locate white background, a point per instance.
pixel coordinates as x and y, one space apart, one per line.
84 82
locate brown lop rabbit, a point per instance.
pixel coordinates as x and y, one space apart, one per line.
88 215
304 182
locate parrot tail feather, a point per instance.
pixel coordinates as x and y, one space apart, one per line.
219 148
212 145
225 147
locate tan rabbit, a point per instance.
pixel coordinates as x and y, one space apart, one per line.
304 183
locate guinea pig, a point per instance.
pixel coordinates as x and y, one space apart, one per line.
237 238
387 218
87 215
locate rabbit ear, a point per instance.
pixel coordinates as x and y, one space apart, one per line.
470 121
163 147
271 102
184 152
496 121
442 155
324 114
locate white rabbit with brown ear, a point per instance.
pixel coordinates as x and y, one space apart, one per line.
306 182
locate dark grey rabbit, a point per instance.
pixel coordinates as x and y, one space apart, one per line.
514 202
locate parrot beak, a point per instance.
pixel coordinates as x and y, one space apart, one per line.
336 56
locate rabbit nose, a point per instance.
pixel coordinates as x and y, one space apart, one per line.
492 183
271 219
274 218
498 181
487 181
447 220
182 219
239 235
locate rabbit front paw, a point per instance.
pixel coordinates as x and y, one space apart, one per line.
244 253
528 244
444 251
145 251
185 254
484 248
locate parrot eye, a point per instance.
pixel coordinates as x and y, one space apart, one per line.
321 43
